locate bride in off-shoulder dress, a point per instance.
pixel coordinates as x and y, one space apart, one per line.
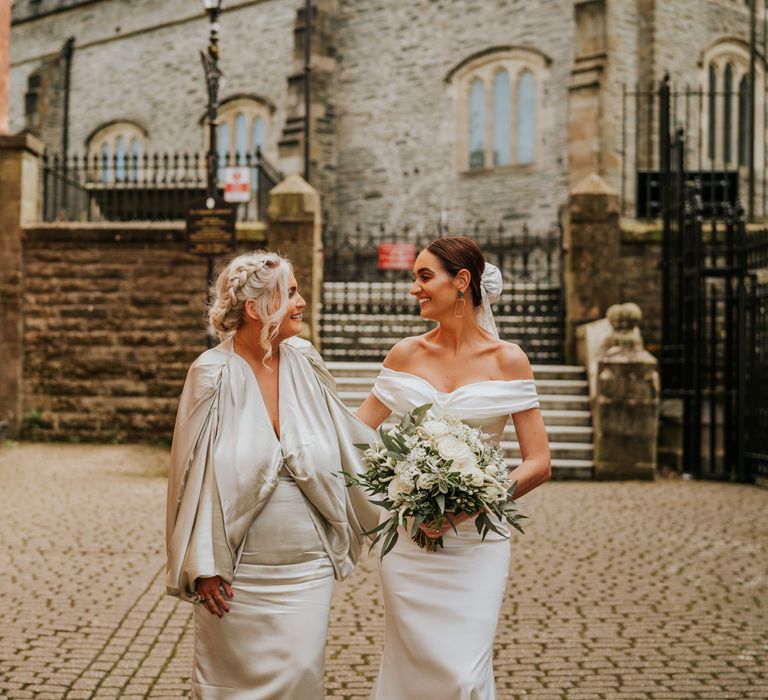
442 607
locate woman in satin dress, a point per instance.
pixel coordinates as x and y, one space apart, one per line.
259 521
442 607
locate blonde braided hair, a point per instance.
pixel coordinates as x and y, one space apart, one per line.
260 276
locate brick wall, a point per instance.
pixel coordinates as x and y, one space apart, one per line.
113 316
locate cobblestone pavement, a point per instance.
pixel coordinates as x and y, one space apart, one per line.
618 590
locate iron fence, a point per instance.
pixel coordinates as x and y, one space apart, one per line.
718 142
715 327
366 309
144 187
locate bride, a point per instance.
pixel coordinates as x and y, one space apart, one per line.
441 608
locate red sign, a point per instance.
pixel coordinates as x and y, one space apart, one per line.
397 256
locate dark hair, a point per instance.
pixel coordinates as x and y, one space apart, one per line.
461 253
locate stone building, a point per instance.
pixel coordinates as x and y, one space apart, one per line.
422 111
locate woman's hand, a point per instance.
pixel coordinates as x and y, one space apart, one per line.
212 591
456 519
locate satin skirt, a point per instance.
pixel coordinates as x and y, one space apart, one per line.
271 645
441 611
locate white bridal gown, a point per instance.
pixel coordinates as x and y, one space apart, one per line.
441 608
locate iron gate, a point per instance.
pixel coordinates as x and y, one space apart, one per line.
715 326
366 309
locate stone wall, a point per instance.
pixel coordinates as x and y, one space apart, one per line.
640 277
140 61
113 316
397 116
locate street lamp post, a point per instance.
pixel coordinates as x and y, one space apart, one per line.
210 59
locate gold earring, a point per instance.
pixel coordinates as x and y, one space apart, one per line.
458 310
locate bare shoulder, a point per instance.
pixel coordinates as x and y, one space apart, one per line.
402 352
513 362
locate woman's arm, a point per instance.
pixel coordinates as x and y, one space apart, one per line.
536 467
372 411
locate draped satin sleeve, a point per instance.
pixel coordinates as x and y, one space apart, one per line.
195 541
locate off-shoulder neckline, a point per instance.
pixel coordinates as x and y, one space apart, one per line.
458 388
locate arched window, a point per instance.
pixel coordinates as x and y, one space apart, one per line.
105 162
502 119
743 120
258 133
526 119
120 159
727 114
115 150
498 95
477 125
712 140
725 110
243 126
135 156
241 138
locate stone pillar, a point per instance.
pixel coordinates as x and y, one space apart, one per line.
625 409
5 43
322 115
585 90
19 187
294 230
593 245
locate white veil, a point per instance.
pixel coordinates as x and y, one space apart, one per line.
491 285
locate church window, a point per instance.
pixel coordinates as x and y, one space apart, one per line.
499 108
502 120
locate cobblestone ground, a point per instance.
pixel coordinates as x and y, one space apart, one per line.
618 590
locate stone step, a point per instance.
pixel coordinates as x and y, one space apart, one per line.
559 450
557 433
575 387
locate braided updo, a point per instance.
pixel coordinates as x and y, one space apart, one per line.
260 276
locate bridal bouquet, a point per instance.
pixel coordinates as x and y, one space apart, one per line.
427 469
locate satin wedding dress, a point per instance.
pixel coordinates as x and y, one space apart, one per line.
441 608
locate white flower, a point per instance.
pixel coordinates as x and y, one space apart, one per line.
417 454
436 428
476 476
398 487
450 447
494 492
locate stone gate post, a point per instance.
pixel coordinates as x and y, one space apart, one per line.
294 230
593 246
19 199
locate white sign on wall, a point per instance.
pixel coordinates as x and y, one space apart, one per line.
237 184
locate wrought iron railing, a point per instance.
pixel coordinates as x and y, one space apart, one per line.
717 147
144 187
366 308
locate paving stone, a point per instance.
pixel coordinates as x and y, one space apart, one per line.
617 590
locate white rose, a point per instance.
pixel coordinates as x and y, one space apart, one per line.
398 487
436 428
451 447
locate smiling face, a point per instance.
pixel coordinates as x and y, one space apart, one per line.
434 288
291 323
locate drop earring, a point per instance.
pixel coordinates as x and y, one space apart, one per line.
458 310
